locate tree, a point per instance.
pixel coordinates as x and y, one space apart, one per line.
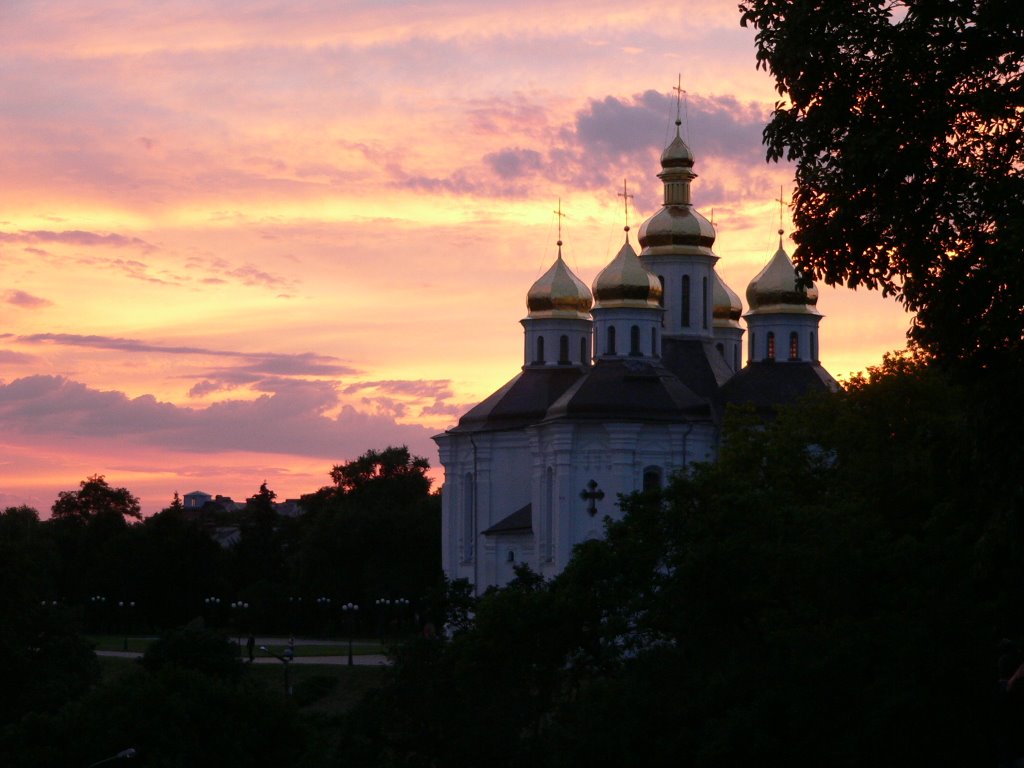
95 500
906 122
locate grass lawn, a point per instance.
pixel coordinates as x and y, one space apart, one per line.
323 689
140 644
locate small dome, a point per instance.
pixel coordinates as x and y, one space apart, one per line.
777 288
625 282
677 154
559 293
727 305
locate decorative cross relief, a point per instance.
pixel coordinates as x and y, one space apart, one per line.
592 494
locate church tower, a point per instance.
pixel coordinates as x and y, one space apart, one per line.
627 309
783 319
558 325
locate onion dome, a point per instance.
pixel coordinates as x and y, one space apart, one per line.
778 289
727 305
625 282
677 223
559 293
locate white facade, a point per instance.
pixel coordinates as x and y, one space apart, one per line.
618 390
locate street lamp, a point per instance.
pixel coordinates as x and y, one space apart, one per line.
238 608
123 607
350 610
98 602
325 604
212 608
284 660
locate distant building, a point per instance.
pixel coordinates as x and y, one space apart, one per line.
620 387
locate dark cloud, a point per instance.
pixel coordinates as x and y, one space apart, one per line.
27 300
513 163
290 421
11 357
436 388
76 237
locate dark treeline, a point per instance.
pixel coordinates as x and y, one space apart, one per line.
371 535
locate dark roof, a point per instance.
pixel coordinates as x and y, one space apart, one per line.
626 389
520 521
522 401
767 385
697 363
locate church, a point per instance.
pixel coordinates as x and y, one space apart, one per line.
620 387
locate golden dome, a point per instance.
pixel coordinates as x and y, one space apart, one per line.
677 154
625 282
727 305
559 293
777 289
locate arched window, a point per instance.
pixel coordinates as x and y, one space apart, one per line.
794 346
563 350
583 350
721 349
661 301
771 346
814 348
539 357
610 346
736 357
634 340
752 352
654 342
468 535
704 304
684 312
652 478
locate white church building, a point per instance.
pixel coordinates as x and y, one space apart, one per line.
620 387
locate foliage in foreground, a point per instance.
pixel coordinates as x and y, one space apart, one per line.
830 591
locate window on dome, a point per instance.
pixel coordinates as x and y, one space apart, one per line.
794 346
583 350
634 340
539 357
721 349
736 357
610 346
654 342
563 350
814 348
685 303
752 351
771 346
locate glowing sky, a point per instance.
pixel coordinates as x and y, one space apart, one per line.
247 240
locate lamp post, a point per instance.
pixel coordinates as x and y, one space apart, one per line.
123 609
238 610
383 606
351 610
212 608
98 603
284 660
401 604
294 608
325 604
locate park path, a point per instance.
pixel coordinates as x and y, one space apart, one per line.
278 644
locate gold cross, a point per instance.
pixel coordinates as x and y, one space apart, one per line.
560 216
781 203
624 194
679 96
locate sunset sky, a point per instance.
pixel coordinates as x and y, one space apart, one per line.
248 240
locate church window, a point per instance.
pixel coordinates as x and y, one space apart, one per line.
652 478
661 301
468 493
752 354
563 350
794 346
610 347
771 346
511 555
539 357
654 342
634 340
736 357
685 303
721 349
583 351
704 304
814 348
